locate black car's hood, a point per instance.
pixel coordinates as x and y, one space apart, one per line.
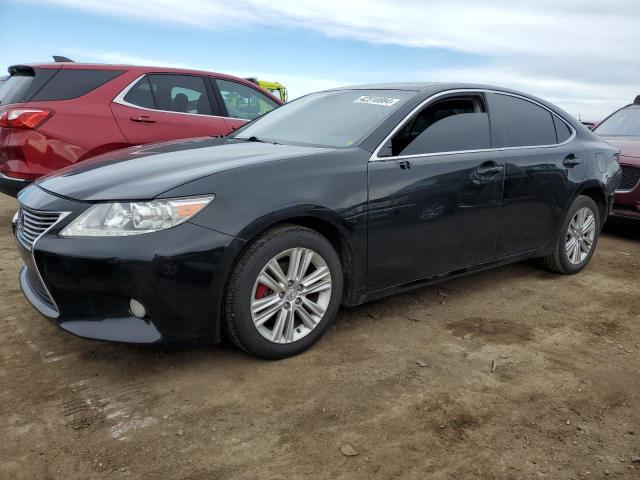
146 171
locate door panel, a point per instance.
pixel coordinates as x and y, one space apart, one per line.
432 214
537 188
146 126
234 123
542 171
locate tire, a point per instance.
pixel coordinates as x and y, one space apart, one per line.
308 315
564 259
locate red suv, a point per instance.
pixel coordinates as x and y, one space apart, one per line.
622 130
56 114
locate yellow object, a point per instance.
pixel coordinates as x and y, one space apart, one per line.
275 88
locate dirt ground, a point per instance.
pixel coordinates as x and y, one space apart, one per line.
510 374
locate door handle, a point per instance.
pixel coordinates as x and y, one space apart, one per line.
571 161
143 119
404 164
489 172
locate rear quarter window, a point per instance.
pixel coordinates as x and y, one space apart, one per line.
522 123
562 130
71 83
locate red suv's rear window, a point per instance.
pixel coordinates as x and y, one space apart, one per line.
42 84
15 87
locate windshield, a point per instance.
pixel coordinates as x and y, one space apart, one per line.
328 119
623 122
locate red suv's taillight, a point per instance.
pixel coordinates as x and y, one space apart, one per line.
24 117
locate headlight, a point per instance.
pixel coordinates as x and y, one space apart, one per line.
134 218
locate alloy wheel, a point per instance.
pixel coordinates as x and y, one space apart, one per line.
580 235
291 295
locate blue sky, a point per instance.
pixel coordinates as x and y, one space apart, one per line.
310 45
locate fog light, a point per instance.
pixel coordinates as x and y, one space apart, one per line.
137 309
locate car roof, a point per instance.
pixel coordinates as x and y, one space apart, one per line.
130 68
432 88
140 69
104 66
428 87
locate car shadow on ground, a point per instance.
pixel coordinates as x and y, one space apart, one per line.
623 228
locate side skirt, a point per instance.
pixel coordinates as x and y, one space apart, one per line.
385 292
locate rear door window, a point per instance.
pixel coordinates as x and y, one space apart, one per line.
171 93
522 123
450 125
244 102
71 83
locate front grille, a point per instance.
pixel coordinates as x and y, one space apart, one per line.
33 223
630 177
38 288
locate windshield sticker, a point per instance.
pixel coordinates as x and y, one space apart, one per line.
371 100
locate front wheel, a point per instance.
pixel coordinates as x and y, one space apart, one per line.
284 293
578 238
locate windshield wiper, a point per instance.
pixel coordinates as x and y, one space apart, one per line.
253 138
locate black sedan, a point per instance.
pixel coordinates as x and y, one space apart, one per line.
337 198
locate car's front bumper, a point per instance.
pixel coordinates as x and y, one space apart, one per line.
84 285
11 185
627 202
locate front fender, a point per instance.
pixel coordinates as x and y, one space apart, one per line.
326 192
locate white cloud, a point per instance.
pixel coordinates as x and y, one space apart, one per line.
539 27
582 52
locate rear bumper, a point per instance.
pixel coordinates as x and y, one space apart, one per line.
11 186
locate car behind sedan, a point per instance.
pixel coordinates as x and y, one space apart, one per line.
53 115
336 198
622 129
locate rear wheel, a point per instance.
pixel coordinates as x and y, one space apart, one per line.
284 293
578 238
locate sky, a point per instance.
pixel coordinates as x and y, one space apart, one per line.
583 55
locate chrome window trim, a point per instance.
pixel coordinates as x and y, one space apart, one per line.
119 99
62 216
375 158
